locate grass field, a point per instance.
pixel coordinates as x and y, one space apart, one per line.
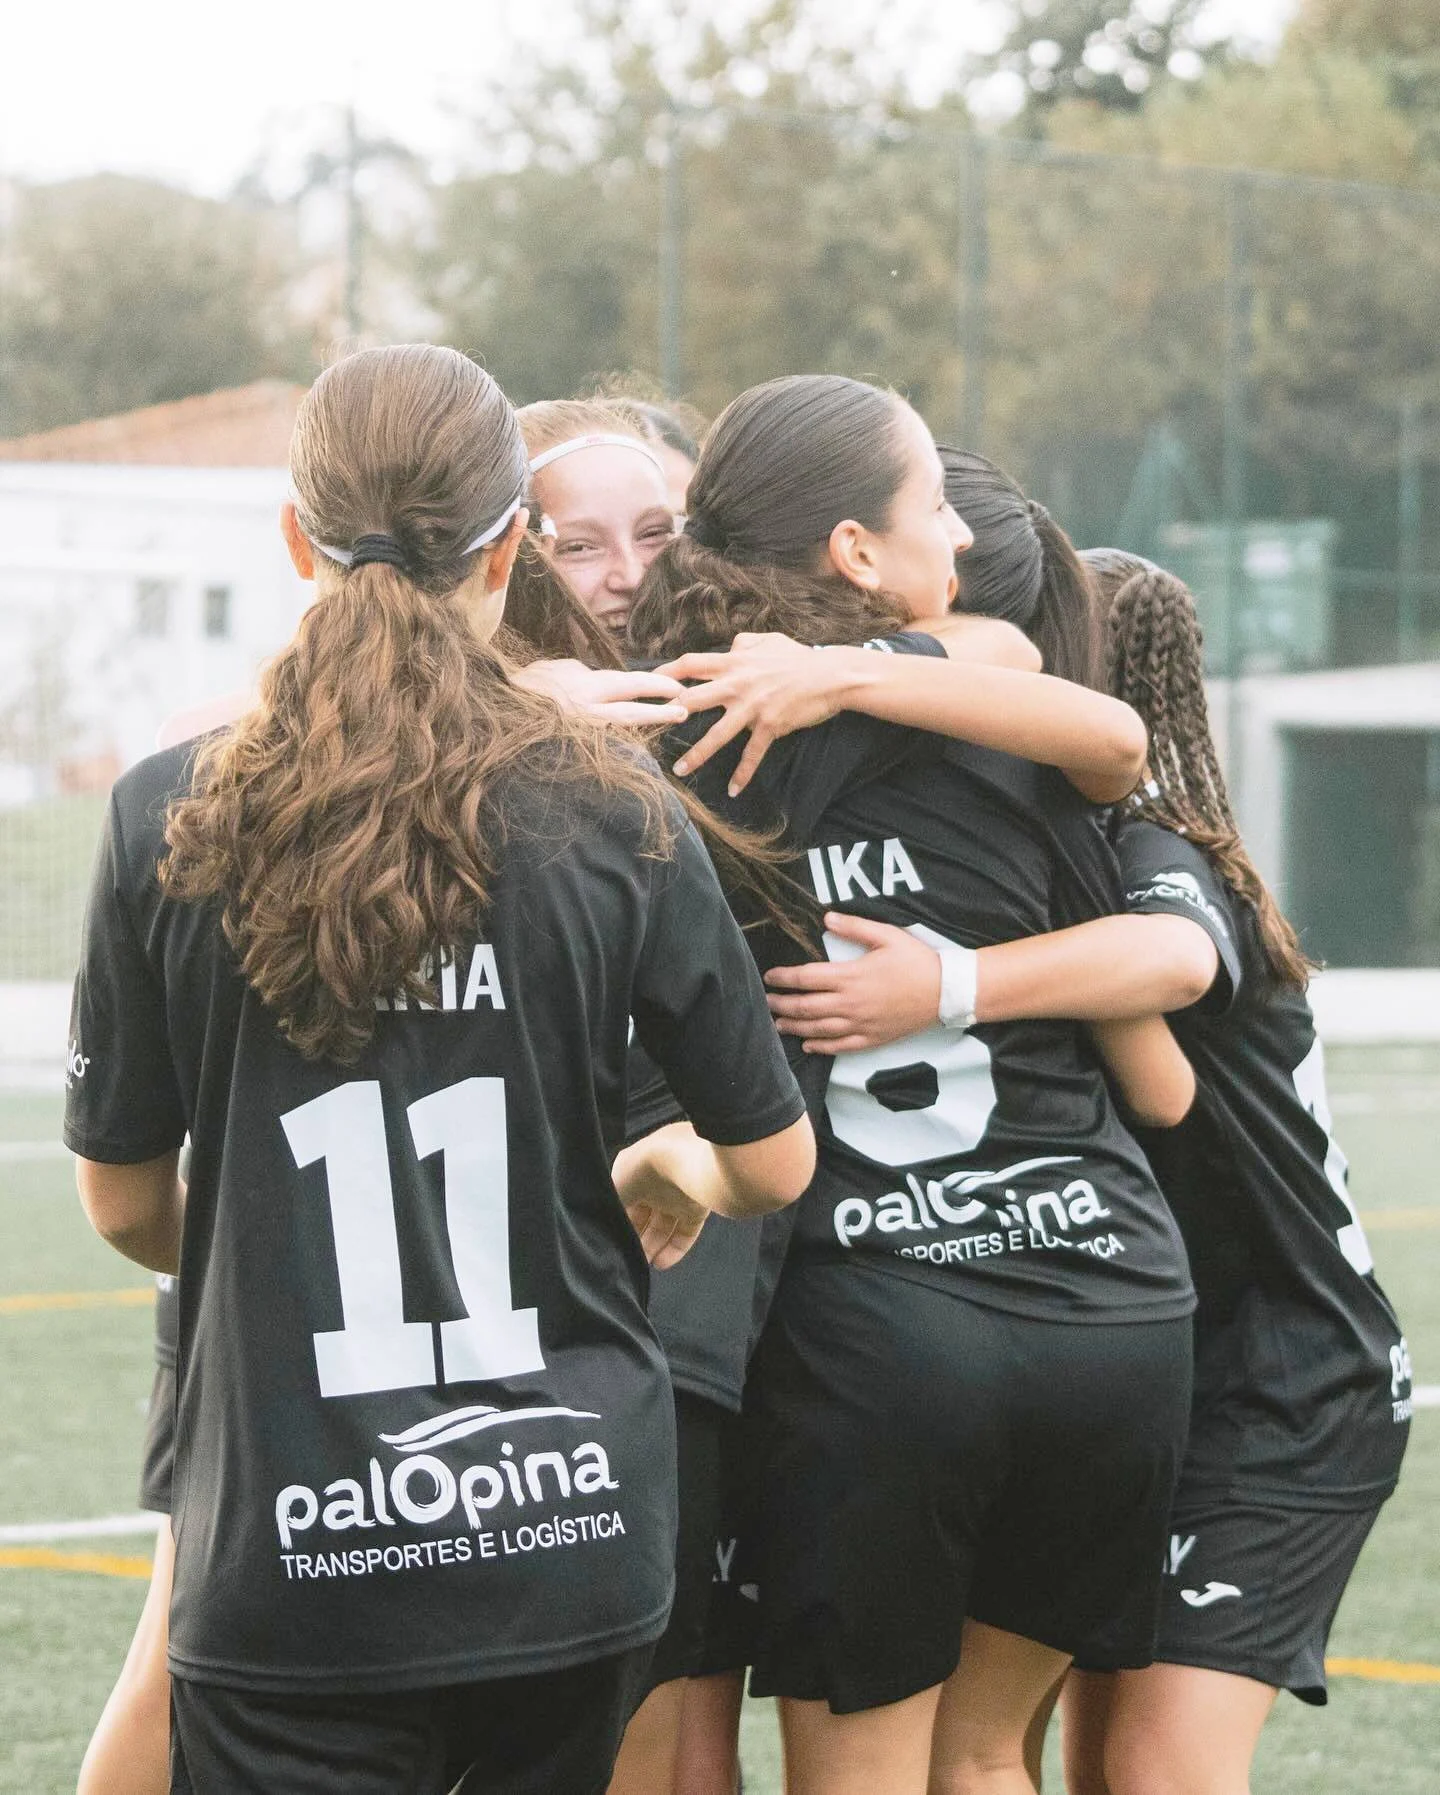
77 1379
46 850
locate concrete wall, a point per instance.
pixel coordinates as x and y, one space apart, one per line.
1257 714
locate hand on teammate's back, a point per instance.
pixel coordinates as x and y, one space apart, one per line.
610 696
767 684
846 1006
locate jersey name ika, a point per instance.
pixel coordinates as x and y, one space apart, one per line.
839 873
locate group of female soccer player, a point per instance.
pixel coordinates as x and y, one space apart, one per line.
912 1007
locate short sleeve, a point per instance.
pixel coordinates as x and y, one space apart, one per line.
699 1008
1165 875
122 1101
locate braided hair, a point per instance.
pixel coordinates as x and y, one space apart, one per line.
1153 661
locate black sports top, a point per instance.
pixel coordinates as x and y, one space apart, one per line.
1302 1378
424 1430
991 1163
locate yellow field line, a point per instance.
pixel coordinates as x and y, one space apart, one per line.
135 1297
99 1564
1383 1670
1401 1218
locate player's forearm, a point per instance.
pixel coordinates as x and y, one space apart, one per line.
1155 1080
1114 968
753 1179
1090 736
137 1209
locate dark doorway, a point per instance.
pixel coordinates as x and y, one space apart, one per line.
1359 809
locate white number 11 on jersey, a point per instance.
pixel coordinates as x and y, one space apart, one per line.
377 1349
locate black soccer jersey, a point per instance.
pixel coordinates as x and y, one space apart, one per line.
990 1162
708 1310
1302 1377
425 1433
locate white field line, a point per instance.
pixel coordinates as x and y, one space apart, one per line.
1419 1100
33 1533
1426 1396
18 1152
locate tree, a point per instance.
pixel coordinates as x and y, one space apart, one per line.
816 230
1113 53
126 292
1397 39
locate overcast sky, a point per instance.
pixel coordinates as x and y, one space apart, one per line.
196 94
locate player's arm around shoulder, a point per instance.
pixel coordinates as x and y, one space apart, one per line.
1155 1080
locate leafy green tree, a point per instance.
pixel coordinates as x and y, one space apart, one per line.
124 292
1112 53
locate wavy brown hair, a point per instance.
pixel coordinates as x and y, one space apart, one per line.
1155 662
351 827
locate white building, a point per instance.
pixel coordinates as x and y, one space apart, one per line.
140 574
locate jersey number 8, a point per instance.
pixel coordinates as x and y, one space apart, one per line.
377 1349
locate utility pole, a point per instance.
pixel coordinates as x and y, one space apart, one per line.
672 252
1407 603
354 224
1238 300
974 275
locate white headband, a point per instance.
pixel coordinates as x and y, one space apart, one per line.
595 442
345 556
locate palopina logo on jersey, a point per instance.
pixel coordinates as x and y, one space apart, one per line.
507 1504
929 1098
1010 1221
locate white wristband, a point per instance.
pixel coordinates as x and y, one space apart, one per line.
958 976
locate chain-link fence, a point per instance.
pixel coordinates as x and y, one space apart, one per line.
1232 371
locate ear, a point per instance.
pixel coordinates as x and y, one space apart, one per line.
501 561
302 553
851 551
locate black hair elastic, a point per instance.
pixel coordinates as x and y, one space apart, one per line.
377 546
704 530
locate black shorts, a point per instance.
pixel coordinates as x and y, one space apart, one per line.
157 1465
732 1620
699 1426
543 1735
926 1459
1254 1590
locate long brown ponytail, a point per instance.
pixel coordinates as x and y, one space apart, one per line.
1154 662
350 826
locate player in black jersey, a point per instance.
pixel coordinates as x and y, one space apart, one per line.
1302 1399
985 1294
544 620
599 495
377 951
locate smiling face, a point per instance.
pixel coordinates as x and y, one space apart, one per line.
612 516
913 557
